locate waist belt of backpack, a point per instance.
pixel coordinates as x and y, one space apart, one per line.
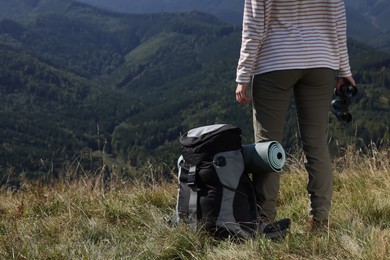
193 202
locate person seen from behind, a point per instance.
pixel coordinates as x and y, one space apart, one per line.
299 48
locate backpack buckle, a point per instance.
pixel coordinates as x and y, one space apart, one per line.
191 176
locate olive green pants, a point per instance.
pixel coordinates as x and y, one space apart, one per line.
312 89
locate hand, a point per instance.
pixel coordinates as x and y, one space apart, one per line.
344 80
242 94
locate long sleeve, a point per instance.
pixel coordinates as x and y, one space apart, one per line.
341 25
252 36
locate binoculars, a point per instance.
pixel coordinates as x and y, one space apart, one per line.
340 104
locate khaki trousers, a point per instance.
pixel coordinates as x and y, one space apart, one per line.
312 89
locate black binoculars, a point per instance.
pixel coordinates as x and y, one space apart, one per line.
341 102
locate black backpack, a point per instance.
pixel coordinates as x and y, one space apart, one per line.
215 192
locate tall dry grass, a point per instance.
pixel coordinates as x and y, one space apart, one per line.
94 217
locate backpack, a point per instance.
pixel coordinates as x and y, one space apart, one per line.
215 192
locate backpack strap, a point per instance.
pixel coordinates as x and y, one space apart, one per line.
193 202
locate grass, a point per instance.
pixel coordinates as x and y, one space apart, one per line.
84 218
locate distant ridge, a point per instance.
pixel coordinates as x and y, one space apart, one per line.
369 20
227 10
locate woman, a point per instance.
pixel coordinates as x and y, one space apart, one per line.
294 47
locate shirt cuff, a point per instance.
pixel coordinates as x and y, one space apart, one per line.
243 79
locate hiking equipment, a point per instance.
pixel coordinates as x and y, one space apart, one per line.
214 190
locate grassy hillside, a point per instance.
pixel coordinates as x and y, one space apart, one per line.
89 218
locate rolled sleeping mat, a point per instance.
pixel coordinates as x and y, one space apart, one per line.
264 156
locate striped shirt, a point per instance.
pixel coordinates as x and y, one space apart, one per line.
293 34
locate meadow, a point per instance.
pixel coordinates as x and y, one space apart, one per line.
90 217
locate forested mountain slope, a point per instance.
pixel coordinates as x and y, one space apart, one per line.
47 114
76 80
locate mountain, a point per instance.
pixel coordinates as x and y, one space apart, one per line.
25 10
368 20
78 82
47 114
153 70
227 10
377 12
